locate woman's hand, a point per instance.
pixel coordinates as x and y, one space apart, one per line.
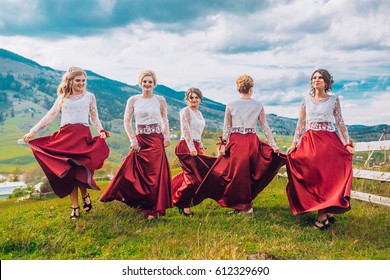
276 149
28 137
166 143
221 150
136 148
104 135
193 153
350 149
291 148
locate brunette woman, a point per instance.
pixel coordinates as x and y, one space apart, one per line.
319 162
190 152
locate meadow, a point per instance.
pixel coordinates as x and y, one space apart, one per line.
41 230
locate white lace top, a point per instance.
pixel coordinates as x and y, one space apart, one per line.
75 110
321 114
150 117
192 125
242 115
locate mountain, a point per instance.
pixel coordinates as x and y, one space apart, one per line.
22 79
28 87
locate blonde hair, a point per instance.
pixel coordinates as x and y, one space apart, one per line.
146 73
244 83
196 91
65 87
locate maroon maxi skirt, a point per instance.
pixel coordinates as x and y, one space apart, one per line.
236 178
185 183
143 180
70 157
320 174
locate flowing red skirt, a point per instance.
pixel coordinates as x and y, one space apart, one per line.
143 180
235 179
70 157
320 174
185 184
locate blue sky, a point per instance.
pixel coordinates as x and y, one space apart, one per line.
207 44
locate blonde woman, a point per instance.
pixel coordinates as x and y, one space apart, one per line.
246 164
143 180
70 156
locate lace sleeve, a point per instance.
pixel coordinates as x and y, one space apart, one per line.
93 114
344 137
185 119
301 125
227 125
49 117
164 116
266 129
129 113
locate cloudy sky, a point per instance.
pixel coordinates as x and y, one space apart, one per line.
207 44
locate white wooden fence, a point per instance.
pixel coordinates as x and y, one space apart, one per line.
369 174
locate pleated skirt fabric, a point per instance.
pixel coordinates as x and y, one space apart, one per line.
70 157
320 174
143 180
194 169
236 178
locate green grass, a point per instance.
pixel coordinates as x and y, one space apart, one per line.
41 229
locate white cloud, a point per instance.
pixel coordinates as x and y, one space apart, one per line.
278 46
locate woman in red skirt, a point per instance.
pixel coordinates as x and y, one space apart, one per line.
143 180
194 163
319 162
70 156
246 165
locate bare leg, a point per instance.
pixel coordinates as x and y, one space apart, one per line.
83 191
74 197
75 203
321 215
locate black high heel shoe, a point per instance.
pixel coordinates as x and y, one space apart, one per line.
87 206
321 225
181 211
74 214
331 219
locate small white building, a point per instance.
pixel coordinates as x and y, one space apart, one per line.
8 187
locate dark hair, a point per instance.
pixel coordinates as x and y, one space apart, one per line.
196 91
327 78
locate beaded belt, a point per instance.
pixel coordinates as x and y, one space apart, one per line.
328 126
243 130
149 128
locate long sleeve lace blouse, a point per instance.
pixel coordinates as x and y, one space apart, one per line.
321 115
75 110
242 115
192 126
150 117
